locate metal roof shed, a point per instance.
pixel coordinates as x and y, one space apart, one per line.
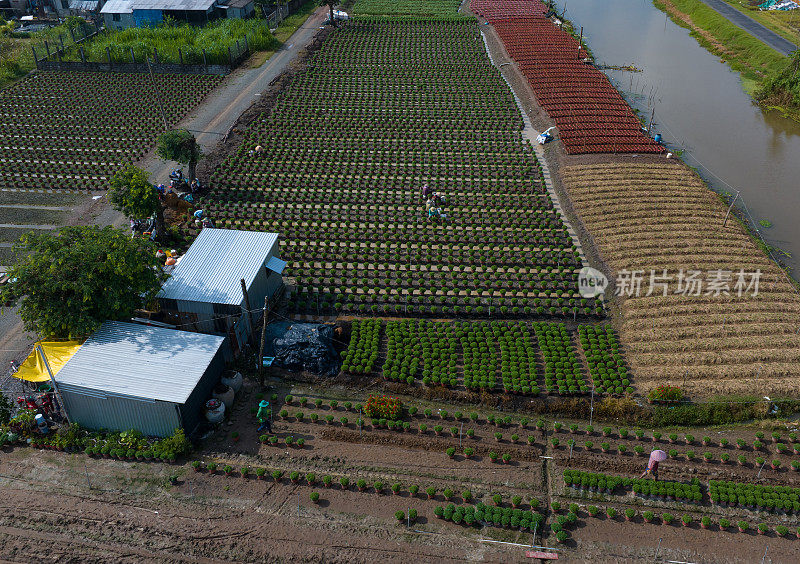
206 285
129 376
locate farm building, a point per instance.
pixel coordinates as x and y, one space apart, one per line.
121 14
129 376
205 292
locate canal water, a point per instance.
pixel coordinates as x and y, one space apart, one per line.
701 108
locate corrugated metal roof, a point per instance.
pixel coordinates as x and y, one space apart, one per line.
117 7
276 265
138 361
85 5
212 269
128 6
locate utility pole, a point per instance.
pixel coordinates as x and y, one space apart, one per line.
158 93
261 346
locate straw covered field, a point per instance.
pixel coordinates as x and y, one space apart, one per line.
661 216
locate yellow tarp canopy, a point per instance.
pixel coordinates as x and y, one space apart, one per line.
57 353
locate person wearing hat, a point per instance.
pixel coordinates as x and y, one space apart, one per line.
264 416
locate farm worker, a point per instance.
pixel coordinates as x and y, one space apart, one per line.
264 415
259 149
198 214
438 198
425 190
171 261
652 469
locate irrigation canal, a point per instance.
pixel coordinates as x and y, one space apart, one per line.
701 108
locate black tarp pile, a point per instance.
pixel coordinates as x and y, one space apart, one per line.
302 346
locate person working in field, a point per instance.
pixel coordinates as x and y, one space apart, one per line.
264 416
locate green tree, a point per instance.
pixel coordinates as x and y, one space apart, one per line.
180 146
131 193
70 282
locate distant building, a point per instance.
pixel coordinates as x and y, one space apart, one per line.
122 14
204 292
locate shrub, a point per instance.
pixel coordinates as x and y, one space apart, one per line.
378 485
228 469
361 484
724 523
630 513
311 478
516 500
400 516
289 399
314 496
383 407
431 492
611 512
686 519
705 522
592 510
448 493
665 394
466 495
555 506
451 452
412 515
648 516
277 475
743 525
763 528
396 487
561 536
469 451
782 530
667 518
294 476
413 490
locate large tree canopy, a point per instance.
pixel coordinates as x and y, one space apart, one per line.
180 146
70 282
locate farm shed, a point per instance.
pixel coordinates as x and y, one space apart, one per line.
129 376
205 291
121 14
241 9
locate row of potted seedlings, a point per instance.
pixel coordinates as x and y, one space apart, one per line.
687 520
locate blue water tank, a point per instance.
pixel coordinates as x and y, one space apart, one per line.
657 138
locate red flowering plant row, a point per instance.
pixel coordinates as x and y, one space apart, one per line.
383 407
665 394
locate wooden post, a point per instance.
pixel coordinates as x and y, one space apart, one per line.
72 33
205 64
35 58
133 57
61 38
247 305
724 223
53 382
47 46
180 55
108 56
261 345
83 57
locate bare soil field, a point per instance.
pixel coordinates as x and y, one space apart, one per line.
70 507
657 217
